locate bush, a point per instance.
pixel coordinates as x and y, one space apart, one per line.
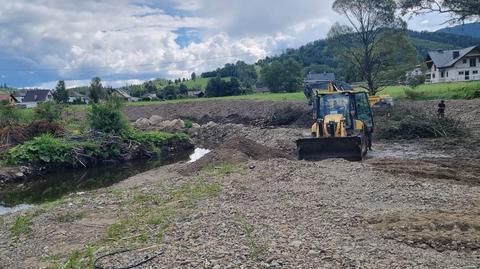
44 149
403 122
157 138
106 117
8 114
48 111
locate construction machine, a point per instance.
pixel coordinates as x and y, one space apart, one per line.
342 123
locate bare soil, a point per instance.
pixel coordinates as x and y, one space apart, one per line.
411 204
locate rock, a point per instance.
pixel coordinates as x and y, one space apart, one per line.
210 124
295 244
313 253
142 123
19 174
155 120
195 126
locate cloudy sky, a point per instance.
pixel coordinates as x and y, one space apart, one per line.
127 41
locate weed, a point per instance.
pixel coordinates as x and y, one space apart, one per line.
188 124
256 250
20 226
80 259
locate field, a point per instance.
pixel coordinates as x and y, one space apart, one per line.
447 91
249 203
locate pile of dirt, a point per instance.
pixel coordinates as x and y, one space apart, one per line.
440 231
234 150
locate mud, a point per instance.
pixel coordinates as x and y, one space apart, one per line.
411 204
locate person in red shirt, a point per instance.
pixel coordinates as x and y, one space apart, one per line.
441 109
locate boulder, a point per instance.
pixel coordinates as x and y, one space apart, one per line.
156 120
142 123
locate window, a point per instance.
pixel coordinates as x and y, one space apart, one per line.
363 109
464 61
447 74
460 73
475 72
442 74
433 75
473 62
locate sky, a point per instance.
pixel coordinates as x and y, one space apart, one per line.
130 41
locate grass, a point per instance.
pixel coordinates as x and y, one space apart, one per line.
447 91
256 251
20 226
149 215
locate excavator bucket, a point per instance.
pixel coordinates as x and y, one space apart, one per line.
316 149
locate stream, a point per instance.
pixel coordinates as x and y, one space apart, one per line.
53 186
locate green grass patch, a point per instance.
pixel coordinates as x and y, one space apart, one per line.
20 226
446 91
150 216
224 169
256 250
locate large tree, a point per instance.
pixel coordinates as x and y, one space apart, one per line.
61 94
96 90
460 9
363 37
283 76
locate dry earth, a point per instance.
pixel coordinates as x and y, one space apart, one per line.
250 204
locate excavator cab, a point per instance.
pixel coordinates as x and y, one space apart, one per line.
342 128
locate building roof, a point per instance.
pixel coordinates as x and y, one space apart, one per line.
123 93
445 58
321 77
36 96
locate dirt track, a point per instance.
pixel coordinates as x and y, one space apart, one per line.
411 204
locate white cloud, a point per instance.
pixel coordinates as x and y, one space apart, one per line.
75 40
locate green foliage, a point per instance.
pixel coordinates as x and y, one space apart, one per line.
20 226
462 10
170 92
183 89
446 91
48 111
61 94
188 124
9 114
218 87
44 149
107 117
157 138
96 91
283 76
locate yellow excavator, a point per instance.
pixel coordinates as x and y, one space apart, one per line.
343 123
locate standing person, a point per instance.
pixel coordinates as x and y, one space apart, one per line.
441 109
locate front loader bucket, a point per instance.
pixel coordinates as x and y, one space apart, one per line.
316 149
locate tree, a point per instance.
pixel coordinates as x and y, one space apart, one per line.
194 76
461 9
169 92
183 89
96 90
362 39
281 76
218 87
61 94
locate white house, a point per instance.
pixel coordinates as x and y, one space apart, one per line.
33 97
453 65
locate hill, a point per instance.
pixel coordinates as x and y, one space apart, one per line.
468 29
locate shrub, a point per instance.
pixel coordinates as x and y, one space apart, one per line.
188 124
38 128
157 138
44 149
8 114
48 111
106 117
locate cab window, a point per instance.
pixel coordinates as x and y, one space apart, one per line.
364 113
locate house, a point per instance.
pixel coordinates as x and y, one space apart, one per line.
124 95
33 97
150 97
417 71
198 94
10 98
453 65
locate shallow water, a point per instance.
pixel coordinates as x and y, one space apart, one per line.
53 186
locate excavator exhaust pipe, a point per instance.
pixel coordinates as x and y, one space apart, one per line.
317 149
